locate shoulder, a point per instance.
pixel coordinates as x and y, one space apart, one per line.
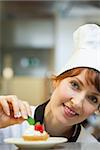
85 136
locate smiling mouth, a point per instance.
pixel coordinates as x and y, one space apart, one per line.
68 112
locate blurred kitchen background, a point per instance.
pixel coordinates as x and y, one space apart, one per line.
36 41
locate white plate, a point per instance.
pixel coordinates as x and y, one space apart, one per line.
51 142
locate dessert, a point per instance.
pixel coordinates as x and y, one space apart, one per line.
35 133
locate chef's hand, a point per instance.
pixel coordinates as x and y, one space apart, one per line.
13 110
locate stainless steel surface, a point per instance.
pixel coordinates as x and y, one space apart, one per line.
64 146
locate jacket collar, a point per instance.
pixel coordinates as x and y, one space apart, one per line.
39 112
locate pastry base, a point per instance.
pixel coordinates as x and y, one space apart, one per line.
35 138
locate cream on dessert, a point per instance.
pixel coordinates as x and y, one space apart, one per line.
31 131
35 132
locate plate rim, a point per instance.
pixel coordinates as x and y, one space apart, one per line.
35 143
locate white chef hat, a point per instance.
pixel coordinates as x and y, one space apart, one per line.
87 48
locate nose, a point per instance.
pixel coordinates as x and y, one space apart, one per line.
78 100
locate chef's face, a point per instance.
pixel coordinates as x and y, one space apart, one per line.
74 100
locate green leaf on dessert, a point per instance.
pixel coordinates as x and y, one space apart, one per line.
31 121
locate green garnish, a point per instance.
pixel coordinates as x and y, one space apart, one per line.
31 121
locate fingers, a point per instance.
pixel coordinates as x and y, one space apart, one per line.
14 104
11 104
4 105
23 110
27 108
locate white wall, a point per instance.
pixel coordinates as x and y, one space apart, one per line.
36 33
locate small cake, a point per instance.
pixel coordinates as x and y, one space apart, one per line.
35 133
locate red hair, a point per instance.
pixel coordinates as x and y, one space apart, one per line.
92 76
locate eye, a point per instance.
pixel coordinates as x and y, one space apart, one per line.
92 99
75 85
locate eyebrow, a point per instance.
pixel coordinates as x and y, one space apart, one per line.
94 93
79 81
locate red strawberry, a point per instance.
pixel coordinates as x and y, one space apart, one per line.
39 127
